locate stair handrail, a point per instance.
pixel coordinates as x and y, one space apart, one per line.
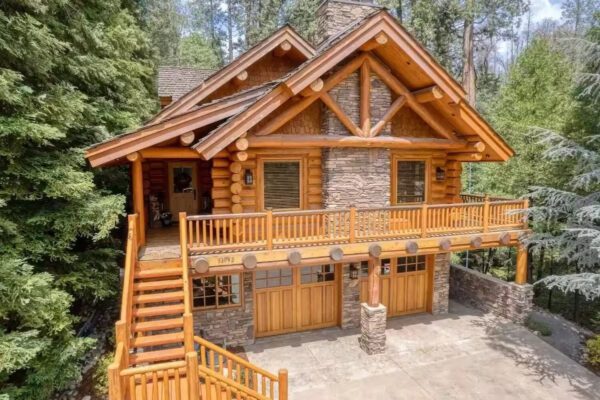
228 384
117 390
188 321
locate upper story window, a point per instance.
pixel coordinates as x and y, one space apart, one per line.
282 184
410 181
217 291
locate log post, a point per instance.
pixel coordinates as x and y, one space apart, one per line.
137 186
114 383
486 214
191 364
283 384
373 288
521 275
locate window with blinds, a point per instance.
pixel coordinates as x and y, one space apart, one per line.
281 184
410 181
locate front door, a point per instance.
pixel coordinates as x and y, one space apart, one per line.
295 299
183 191
404 284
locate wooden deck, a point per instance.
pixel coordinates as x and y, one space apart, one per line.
161 244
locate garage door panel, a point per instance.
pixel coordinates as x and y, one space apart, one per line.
400 295
275 310
262 312
288 309
329 304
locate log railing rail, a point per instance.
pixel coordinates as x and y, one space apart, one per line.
271 230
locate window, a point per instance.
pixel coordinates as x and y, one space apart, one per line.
217 291
273 278
318 273
411 264
281 182
410 181
386 267
182 180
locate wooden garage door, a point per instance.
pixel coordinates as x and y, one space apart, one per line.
404 284
288 300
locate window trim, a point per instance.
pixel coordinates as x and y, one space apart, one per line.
217 306
302 159
394 177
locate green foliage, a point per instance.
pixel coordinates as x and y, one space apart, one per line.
195 51
100 376
300 14
592 349
70 73
538 326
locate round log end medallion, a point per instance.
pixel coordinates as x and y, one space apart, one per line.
504 238
445 244
294 257
200 265
412 247
249 261
375 250
336 253
476 242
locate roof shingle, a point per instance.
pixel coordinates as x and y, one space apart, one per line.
177 81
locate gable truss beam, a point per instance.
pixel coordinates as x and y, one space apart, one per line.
365 98
387 117
400 89
428 94
340 114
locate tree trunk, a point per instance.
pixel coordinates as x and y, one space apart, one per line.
399 10
230 30
468 77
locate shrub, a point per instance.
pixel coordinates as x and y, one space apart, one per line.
593 351
538 326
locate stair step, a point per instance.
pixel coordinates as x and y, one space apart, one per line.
158 297
158 310
158 325
159 264
158 285
157 340
156 356
157 273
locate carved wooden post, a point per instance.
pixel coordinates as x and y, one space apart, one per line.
373 289
486 214
137 190
352 237
521 275
269 223
191 361
424 220
114 383
283 384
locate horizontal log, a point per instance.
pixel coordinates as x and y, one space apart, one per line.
237 209
313 88
300 141
220 163
235 167
169 152
133 156
468 157
379 40
186 139
282 49
428 94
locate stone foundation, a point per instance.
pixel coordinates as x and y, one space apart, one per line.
441 281
373 321
489 294
350 300
232 326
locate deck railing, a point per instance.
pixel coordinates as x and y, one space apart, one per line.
271 230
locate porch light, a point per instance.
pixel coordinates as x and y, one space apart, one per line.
440 174
354 271
248 177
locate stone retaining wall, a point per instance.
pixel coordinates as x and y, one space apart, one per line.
489 294
229 326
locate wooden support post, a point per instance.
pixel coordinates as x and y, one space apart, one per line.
191 363
486 214
269 223
424 220
137 185
114 383
373 283
521 276
283 384
365 98
188 330
352 238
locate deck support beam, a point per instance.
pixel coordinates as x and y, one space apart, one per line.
137 179
521 275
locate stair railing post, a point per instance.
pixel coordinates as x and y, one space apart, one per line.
486 214
191 361
283 384
114 383
269 222
188 321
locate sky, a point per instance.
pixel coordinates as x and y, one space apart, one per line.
544 9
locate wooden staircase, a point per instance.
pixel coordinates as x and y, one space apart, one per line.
156 356
157 317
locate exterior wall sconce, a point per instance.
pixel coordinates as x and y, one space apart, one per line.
440 174
354 271
248 177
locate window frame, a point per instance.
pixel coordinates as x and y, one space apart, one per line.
260 177
217 306
396 158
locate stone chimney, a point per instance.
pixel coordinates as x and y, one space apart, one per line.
335 15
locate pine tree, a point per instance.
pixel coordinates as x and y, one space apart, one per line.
71 74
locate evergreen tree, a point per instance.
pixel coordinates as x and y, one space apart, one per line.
70 73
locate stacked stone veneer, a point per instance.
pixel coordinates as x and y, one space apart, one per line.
350 300
441 282
334 16
232 326
489 294
373 321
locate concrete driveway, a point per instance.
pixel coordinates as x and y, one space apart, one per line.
462 355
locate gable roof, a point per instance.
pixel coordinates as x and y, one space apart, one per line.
177 81
339 48
159 132
215 81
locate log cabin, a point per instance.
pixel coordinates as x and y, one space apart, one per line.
298 187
